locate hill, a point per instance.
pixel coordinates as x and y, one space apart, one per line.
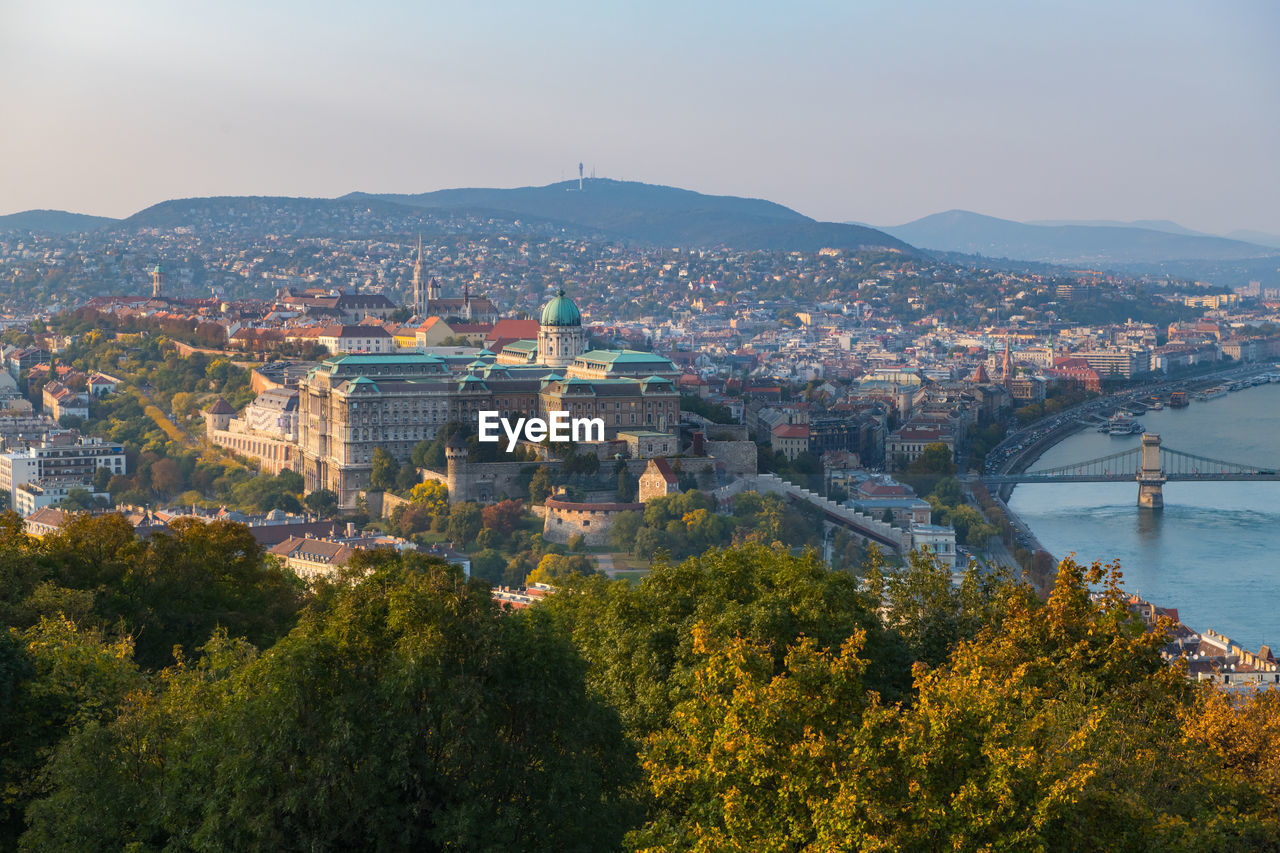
302 214
648 213
53 221
1165 225
973 233
1261 238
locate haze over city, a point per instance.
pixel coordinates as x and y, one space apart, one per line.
1051 111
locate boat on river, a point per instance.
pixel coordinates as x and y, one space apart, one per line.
1123 425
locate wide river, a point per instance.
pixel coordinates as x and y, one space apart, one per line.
1214 551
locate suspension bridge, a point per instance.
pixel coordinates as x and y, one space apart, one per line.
1150 465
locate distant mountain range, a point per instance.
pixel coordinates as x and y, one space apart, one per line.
621 210
53 221
1100 242
666 216
658 215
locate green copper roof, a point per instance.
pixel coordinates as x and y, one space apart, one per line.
561 311
622 356
356 358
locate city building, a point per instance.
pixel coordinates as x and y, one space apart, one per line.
65 461
60 401
1125 363
657 480
350 404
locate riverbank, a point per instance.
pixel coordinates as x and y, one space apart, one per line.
1211 551
1021 449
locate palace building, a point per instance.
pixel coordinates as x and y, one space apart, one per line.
350 404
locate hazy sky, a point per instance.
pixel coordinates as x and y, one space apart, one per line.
873 111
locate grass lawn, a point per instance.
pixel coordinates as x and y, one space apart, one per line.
627 563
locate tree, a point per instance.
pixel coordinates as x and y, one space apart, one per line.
322 502
166 476
488 565
385 470
432 494
508 751
502 517
640 643
78 500
554 568
540 486
464 523
626 485
754 747
55 678
622 535
1064 731
947 491
406 478
934 460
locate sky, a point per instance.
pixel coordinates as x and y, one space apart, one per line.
868 111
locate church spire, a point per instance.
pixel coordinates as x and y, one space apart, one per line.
419 300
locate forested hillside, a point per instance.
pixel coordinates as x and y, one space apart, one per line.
185 694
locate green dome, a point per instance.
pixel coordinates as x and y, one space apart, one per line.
561 312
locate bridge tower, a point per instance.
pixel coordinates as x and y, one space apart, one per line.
1150 475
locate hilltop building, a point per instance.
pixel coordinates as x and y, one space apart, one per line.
350 404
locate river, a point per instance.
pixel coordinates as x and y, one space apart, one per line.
1214 551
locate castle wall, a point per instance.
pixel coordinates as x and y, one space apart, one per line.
272 455
486 482
592 521
738 458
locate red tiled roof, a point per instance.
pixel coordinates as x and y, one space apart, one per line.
664 468
791 430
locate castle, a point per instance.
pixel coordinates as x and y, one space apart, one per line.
350 404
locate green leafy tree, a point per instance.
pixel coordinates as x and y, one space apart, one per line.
401 714
640 639
622 535
385 470
55 679
78 500
465 520
322 502
627 487
540 486
1064 731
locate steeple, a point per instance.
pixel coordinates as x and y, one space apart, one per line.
419 296
157 282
